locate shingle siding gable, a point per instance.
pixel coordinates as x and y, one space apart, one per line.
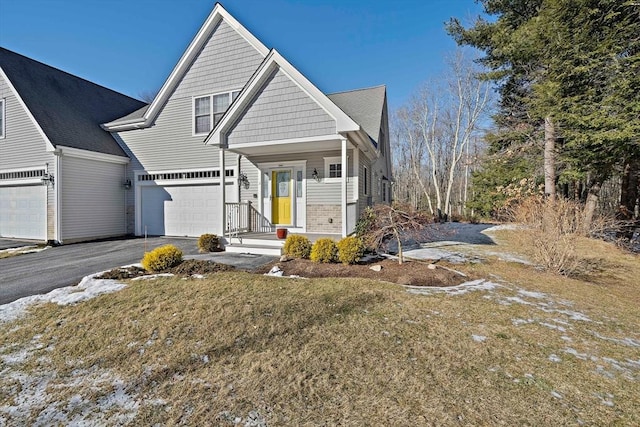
225 63
281 110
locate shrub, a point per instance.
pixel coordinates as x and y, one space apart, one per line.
324 250
553 230
297 246
350 250
209 243
162 258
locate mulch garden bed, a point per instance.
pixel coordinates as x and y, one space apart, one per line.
414 273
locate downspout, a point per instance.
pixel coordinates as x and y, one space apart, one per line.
345 171
58 195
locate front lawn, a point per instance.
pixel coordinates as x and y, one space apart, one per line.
524 347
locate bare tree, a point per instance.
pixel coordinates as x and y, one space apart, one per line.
385 223
437 127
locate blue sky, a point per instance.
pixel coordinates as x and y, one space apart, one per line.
132 45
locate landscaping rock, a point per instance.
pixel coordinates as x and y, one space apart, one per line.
376 267
284 258
432 267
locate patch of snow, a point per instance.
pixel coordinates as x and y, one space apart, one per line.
530 294
565 338
551 326
479 338
275 271
436 254
629 342
554 358
24 250
197 276
556 395
503 227
89 287
518 322
463 288
574 352
153 276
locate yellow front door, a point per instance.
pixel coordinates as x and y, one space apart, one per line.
281 191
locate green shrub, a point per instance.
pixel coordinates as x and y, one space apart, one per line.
297 246
209 243
350 250
324 250
162 258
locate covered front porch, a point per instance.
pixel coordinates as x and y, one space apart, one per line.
266 243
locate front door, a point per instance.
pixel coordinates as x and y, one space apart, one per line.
281 191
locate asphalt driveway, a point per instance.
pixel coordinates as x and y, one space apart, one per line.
39 273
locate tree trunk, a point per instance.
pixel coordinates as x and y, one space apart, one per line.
630 191
549 159
591 205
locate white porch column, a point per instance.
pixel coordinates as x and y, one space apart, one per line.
345 172
223 207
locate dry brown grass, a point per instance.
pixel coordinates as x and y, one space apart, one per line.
350 352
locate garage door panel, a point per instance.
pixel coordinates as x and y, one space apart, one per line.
180 210
23 212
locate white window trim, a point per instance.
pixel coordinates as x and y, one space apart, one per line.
3 118
333 161
211 112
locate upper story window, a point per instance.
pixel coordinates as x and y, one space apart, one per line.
208 110
2 103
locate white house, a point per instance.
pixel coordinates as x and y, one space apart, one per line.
234 112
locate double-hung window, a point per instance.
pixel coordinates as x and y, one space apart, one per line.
366 181
208 110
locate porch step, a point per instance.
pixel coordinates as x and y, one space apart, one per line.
255 249
248 241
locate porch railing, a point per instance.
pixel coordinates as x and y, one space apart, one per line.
242 217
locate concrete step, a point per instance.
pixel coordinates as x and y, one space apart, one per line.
254 249
256 242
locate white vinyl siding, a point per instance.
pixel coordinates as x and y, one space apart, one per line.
2 118
281 110
92 199
23 145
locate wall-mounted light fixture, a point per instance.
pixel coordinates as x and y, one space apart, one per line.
48 179
314 175
244 181
127 184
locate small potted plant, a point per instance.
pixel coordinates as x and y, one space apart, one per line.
281 233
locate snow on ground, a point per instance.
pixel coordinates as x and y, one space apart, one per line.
24 250
88 288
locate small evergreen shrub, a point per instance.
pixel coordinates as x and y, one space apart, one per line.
209 243
324 250
297 246
162 258
350 250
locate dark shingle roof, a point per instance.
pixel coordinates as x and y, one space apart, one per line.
69 109
364 106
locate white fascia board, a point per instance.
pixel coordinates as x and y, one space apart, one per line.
50 146
217 14
344 123
92 155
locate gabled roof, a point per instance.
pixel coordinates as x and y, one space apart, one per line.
365 106
146 117
68 109
274 60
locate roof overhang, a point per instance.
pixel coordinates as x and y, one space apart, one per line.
217 14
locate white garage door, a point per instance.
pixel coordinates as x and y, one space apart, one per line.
23 212
181 210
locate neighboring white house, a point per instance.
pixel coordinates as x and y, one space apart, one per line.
236 112
61 175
